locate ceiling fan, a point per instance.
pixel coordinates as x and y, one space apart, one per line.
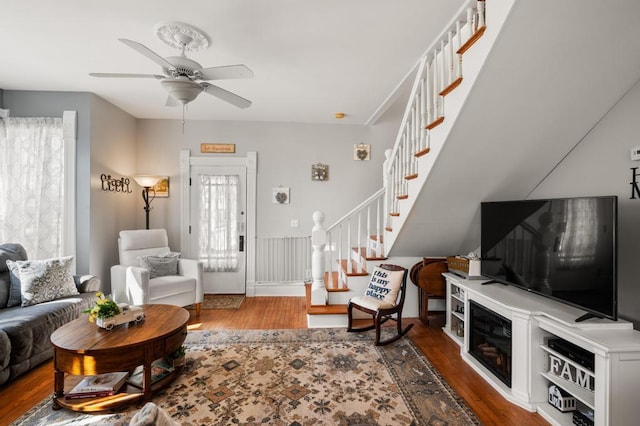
183 78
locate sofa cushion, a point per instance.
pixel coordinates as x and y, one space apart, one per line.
9 251
160 265
5 356
29 329
45 280
15 295
5 286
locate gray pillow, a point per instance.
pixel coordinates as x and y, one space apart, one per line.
9 286
45 280
160 265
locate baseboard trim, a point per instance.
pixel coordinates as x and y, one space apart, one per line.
290 289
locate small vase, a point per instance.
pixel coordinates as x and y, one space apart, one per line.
177 362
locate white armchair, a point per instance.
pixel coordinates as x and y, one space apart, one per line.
132 284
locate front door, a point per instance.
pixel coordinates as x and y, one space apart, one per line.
218 222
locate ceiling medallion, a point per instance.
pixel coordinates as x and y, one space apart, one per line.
179 35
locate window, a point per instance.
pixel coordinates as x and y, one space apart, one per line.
37 184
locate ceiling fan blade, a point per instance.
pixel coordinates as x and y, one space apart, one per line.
229 71
120 75
171 102
141 48
227 96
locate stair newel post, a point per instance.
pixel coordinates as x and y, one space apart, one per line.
318 242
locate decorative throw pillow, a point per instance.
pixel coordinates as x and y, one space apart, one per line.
385 285
45 280
160 265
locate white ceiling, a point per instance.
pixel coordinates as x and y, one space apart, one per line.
310 58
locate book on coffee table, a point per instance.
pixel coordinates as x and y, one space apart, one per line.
159 368
99 385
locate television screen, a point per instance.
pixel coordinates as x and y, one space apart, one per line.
564 249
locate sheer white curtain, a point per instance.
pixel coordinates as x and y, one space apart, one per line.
32 184
219 222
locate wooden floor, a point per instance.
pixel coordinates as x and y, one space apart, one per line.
289 312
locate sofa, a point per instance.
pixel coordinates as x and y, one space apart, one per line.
29 317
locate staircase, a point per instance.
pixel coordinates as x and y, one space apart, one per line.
344 252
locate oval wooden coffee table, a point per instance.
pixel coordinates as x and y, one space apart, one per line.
82 348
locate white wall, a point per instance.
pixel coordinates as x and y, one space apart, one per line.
285 151
113 152
600 165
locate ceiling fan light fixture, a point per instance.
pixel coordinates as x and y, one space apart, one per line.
182 90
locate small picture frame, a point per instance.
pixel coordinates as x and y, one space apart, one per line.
280 195
320 172
162 187
361 152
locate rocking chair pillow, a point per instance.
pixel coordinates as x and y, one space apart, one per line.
385 284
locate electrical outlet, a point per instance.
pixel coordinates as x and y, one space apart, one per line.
294 223
635 153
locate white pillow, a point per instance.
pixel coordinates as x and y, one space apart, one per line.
160 265
384 284
45 280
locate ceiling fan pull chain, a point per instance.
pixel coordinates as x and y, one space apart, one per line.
183 107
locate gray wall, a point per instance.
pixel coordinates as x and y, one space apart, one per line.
106 144
24 103
286 152
600 165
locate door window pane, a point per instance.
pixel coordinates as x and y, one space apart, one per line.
218 245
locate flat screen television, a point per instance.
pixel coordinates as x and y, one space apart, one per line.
564 249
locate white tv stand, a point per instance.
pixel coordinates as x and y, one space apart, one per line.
535 319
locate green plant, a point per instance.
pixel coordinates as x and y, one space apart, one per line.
103 308
178 353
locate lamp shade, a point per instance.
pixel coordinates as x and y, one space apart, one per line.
147 181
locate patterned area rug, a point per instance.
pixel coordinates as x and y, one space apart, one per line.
293 377
220 301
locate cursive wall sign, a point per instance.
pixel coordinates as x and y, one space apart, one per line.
115 185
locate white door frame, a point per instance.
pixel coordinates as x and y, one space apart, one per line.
250 162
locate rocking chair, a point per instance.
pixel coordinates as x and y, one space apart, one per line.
383 298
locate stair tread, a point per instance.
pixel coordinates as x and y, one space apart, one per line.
467 44
363 253
331 284
354 269
340 309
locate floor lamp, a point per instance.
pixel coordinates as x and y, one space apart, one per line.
147 182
